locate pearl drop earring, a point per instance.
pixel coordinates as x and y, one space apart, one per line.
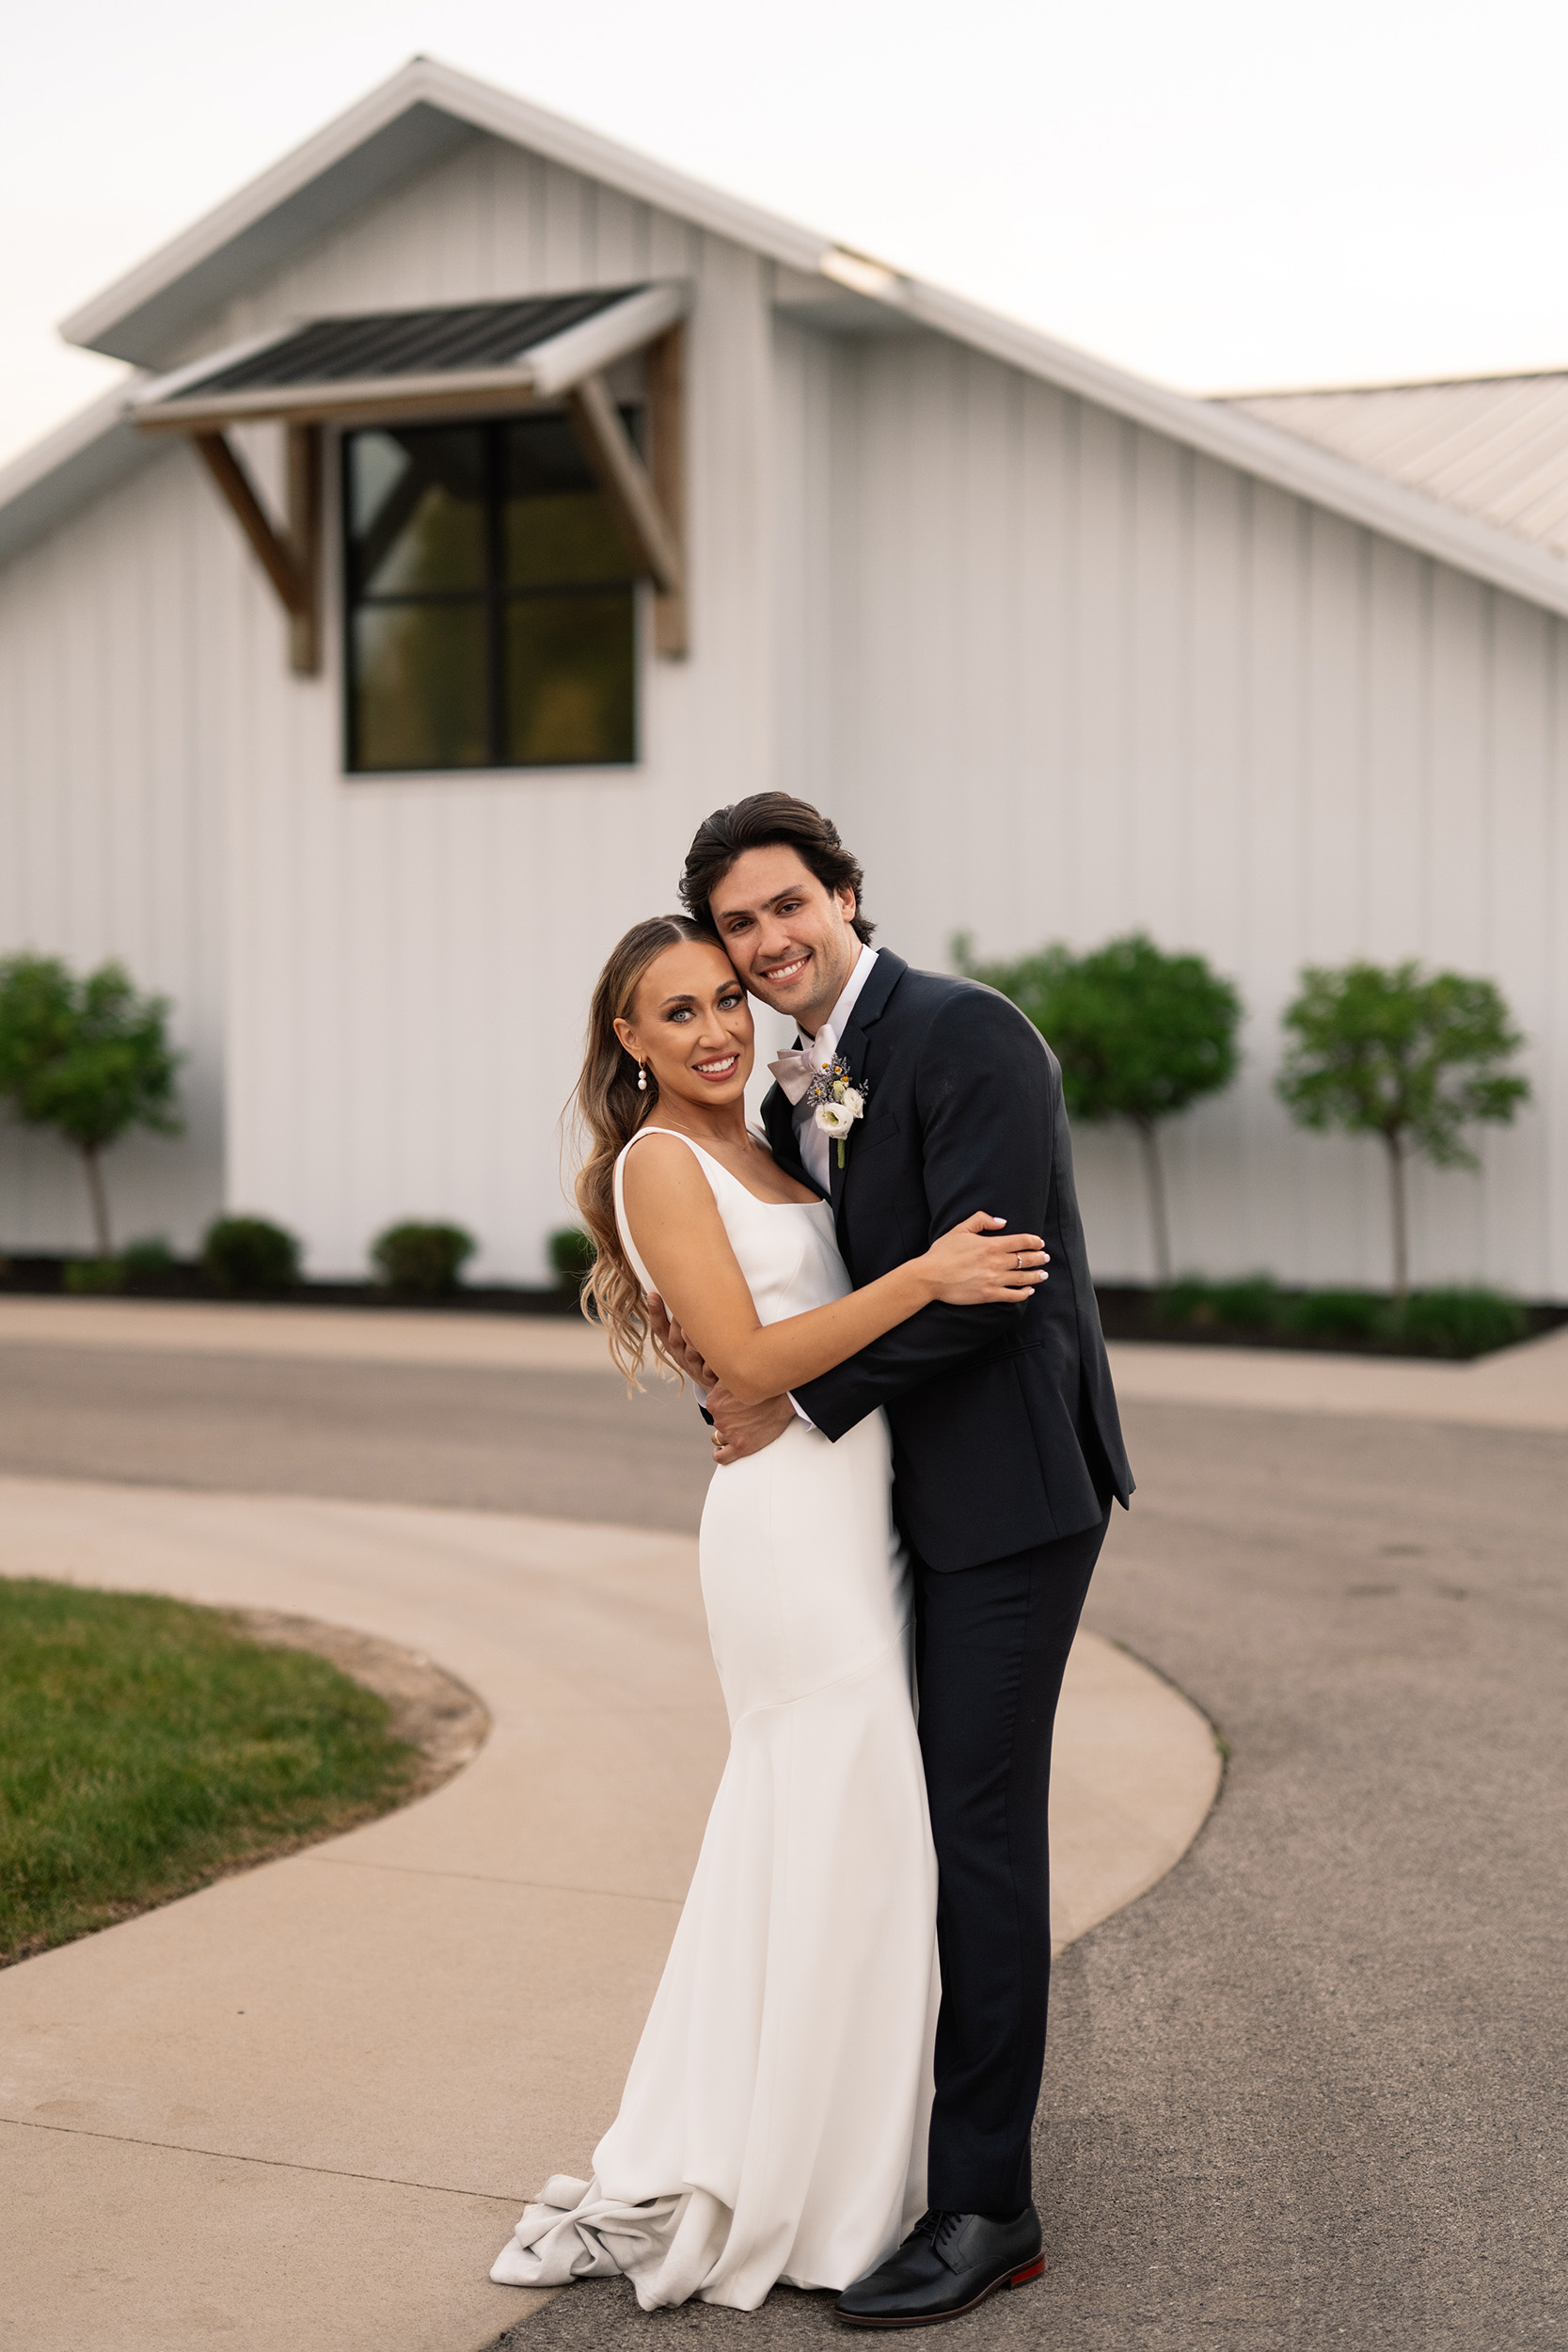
641 1077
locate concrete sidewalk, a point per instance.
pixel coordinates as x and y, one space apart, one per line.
1521 1388
300 2111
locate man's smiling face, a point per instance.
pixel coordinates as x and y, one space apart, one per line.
791 940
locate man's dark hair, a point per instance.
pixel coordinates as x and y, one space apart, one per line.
758 823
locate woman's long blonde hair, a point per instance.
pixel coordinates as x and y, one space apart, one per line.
608 1111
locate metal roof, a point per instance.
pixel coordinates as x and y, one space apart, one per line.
416 362
409 343
1492 447
427 109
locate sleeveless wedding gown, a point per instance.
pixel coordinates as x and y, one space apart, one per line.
773 2123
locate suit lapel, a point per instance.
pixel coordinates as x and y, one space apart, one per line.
778 1120
855 1048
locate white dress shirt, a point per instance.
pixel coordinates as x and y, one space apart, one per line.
813 1144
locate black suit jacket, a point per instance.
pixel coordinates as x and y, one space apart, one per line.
1004 1425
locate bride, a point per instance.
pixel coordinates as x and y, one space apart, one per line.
773 2123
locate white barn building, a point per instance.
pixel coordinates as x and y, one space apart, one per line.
1064 653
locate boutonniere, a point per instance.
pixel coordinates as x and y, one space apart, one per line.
835 1102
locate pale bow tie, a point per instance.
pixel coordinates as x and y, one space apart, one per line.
796 1071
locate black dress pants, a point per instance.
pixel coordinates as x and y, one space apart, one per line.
993 1647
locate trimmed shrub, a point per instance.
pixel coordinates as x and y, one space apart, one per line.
93 1278
1462 1322
248 1253
421 1260
1249 1304
150 1255
1335 1314
572 1255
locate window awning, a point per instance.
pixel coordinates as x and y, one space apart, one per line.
471 357
464 356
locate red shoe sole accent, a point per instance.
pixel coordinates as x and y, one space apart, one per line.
932 2319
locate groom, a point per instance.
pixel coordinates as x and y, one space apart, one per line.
1007 1454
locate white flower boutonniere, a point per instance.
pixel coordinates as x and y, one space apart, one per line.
836 1103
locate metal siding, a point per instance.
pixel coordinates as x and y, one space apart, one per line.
408 1001
1055 676
1085 681
400 993
111 826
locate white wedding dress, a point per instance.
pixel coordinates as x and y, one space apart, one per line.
773 2123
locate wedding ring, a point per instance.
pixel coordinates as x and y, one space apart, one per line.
1018 1262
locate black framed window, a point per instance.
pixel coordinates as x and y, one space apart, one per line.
491 616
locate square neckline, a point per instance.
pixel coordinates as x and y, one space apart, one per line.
821 1201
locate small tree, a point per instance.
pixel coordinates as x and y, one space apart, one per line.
1407 1057
1139 1034
88 1058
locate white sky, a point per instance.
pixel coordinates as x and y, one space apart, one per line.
1223 194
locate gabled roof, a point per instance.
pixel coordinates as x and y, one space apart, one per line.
420 113
1494 447
92 453
427 110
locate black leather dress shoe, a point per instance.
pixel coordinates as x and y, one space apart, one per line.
948 2263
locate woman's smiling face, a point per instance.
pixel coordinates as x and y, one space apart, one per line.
691 1022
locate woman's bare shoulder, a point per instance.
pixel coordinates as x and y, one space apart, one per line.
664 1167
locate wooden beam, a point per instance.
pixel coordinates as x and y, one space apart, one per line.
666 382
277 560
305 539
400 399
624 481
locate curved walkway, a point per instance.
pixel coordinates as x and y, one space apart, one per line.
302 2108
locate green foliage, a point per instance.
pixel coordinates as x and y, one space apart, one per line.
1331 1314
86 1056
1251 1303
150 1255
1457 1323
89 1278
422 1261
1386 1051
150 1746
572 1255
1139 1034
248 1253
1462 1322
1409 1056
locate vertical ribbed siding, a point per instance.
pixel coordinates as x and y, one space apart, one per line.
111 825
1087 681
1055 676
408 1006
412 957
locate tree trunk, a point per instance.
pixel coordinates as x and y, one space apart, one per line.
1398 1205
1148 1136
100 1198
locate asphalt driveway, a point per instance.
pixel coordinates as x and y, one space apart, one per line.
1310 2090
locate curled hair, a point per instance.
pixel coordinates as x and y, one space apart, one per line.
758 823
609 1110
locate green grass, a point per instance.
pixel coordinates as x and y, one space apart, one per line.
147 1747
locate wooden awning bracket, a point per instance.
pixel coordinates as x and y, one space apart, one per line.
292 560
647 504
